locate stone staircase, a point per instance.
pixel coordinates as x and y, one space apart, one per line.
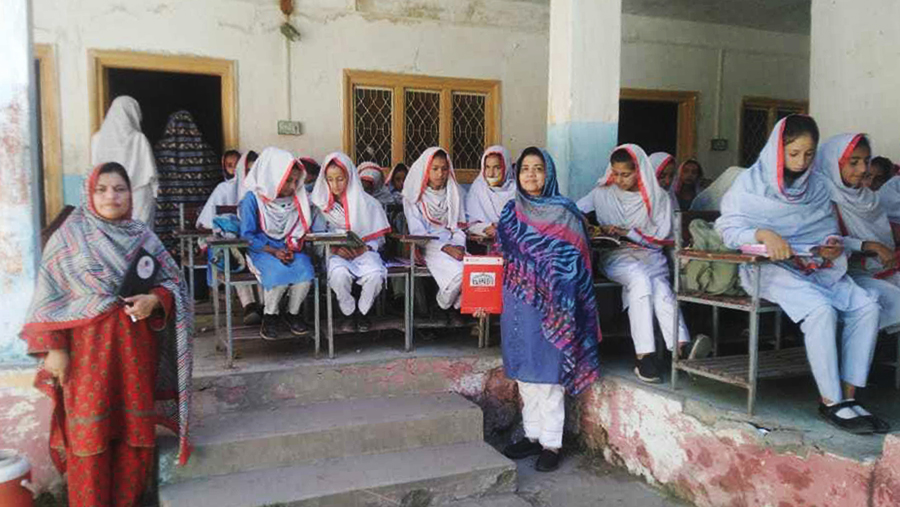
410 444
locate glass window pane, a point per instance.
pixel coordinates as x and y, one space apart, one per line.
423 122
754 133
468 130
372 125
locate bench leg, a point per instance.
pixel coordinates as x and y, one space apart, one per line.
778 315
328 306
316 316
754 342
411 294
228 316
715 331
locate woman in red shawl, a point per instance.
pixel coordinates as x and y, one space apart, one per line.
114 367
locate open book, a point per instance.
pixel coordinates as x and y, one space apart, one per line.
606 241
343 238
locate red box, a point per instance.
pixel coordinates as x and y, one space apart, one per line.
482 286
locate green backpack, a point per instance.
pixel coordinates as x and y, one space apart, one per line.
710 277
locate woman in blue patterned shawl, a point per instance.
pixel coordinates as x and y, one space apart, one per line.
549 321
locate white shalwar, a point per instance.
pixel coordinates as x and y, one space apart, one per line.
811 291
364 215
272 297
641 266
861 218
120 140
437 213
543 412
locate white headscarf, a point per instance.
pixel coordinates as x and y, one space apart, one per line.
440 207
371 172
659 161
484 203
648 210
710 198
286 218
357 211
859 212
120 140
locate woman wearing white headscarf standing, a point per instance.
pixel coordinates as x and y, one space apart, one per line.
776 202
842 162
630 203
339 196
120 140
433 205
492 189
275 217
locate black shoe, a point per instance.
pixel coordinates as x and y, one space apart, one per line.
879 425
296 325
548 461
645 368
272 328
522 449
252 314
363 324
345 324
858 425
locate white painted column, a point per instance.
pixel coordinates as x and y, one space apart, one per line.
19 230
583 110
855 70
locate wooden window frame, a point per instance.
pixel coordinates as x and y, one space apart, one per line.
51 144
687 115
771 106
101 60
399 83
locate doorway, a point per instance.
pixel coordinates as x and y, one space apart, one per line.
658 120
162 93
169 83
48 152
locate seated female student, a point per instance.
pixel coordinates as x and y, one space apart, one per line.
372 179
107 361
664 167
631 204
776 202
312 172
433 205
550 341
338 194
275 216
395 181
881 169
226 194
490 191
842 162
687 183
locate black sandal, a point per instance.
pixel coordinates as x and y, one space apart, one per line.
858 425
879 425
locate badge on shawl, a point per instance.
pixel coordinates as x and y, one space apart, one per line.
140 277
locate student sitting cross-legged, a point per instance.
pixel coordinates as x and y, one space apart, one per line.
275 217
780 203
630 203
339 196
433 205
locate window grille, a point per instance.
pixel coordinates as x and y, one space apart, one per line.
758 118
373 108
423 122
468 129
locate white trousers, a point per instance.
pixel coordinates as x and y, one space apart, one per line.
245 294
367 271
644 275
543 412
888 291
857 346
298 292
447 272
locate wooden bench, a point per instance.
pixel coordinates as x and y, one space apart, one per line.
741 370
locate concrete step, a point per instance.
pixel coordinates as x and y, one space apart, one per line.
238 441
424 476
303 381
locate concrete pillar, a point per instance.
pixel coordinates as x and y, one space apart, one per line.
583 110
19 229
855 70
